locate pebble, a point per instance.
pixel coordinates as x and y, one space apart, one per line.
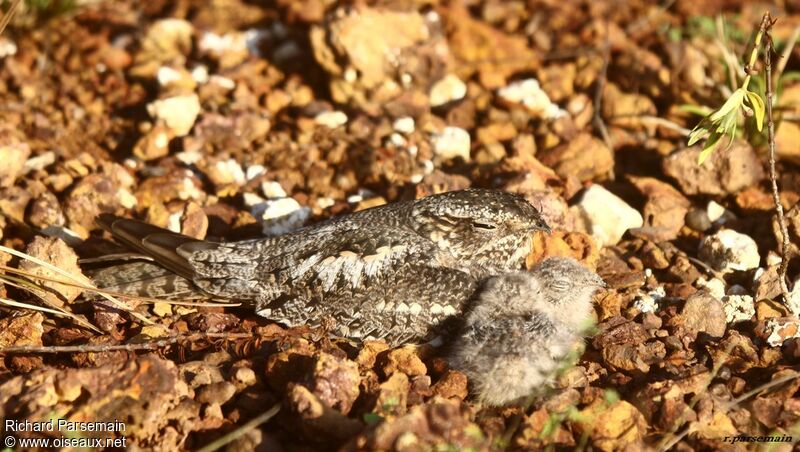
280 216
698 220
7 47
331 119
607 216
704 312
200 74
167 75
649 301
404 125
325 202
728 250
738 308
254 171
12 162
229 49
57 253
723 173
715 286
779 330
272 189
529 94
178 112
448 89
451 143
226 172
39 162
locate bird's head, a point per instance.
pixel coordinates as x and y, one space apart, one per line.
566 288
486 231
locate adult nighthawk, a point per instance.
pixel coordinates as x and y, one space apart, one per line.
520 328
393 272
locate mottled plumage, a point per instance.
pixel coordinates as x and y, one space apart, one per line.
393 272
521 326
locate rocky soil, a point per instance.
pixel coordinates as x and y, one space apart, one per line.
229 119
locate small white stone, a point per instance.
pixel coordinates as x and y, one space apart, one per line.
215 44
174 222
200 74
773 259
780 330
280 216
251 199
254 171
453 142
324 202
178 112
126 198
715 286
404 125
189 157
272 189
167 75
222 82
189 190
738 308
714 211
354 199
7 47
728 250
230 172
350 75
448 89
416 178
529 94
397 140
39 162
649 301
331 119
606 215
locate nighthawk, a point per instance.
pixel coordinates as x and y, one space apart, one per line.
520 328
394 272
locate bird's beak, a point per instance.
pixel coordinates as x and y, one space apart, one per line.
540 226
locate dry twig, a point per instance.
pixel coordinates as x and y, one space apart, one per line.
100 348
766 25
8 15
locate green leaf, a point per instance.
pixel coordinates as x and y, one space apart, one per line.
731 105
709 146
372 418
757 104
697 133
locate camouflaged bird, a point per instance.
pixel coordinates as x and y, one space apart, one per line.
520 328
393 272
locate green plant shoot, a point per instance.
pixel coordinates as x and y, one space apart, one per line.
723 122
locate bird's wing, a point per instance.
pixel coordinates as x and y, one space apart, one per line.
324 260
158 243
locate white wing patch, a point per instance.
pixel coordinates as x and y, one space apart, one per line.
352 267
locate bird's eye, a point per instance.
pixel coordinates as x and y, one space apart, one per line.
561 285
484 226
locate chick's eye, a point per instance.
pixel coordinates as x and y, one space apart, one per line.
484 226
561 285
